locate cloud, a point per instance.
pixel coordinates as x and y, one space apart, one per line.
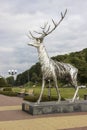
19 16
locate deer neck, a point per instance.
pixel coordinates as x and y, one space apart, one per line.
43 56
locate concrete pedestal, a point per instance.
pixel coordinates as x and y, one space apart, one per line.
54 107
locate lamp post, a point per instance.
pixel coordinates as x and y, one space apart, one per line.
12 73
49 90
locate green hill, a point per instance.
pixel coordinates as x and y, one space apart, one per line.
78 59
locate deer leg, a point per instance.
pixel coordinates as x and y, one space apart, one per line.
74 83
57 89
76 92
43 84
76 96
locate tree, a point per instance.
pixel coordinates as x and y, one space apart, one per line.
82 75
10 80
3 82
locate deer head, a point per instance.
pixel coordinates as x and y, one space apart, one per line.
46 30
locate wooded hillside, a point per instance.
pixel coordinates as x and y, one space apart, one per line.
78 59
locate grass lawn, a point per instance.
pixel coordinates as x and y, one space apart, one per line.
65 92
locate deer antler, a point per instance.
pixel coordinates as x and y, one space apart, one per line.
46 31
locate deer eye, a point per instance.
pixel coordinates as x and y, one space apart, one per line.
38 40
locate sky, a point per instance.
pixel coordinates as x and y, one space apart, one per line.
18 17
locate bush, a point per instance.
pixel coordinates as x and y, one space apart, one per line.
31 98
7 89
44 98
8 93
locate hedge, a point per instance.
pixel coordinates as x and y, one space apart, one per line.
7 89
8 93
44 98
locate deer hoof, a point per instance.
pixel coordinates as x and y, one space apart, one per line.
58 102
38 102
77 98
71 101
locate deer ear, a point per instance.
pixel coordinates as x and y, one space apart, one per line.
41 40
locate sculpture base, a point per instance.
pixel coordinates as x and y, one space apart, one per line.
54 107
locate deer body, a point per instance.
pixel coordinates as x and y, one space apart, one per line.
53 69
48 66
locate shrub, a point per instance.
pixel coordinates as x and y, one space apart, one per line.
7 89
31 98
8 93
44 98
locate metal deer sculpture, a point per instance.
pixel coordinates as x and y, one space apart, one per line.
53 69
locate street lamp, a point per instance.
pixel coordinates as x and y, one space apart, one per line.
12 73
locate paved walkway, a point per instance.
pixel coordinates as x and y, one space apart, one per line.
13 118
